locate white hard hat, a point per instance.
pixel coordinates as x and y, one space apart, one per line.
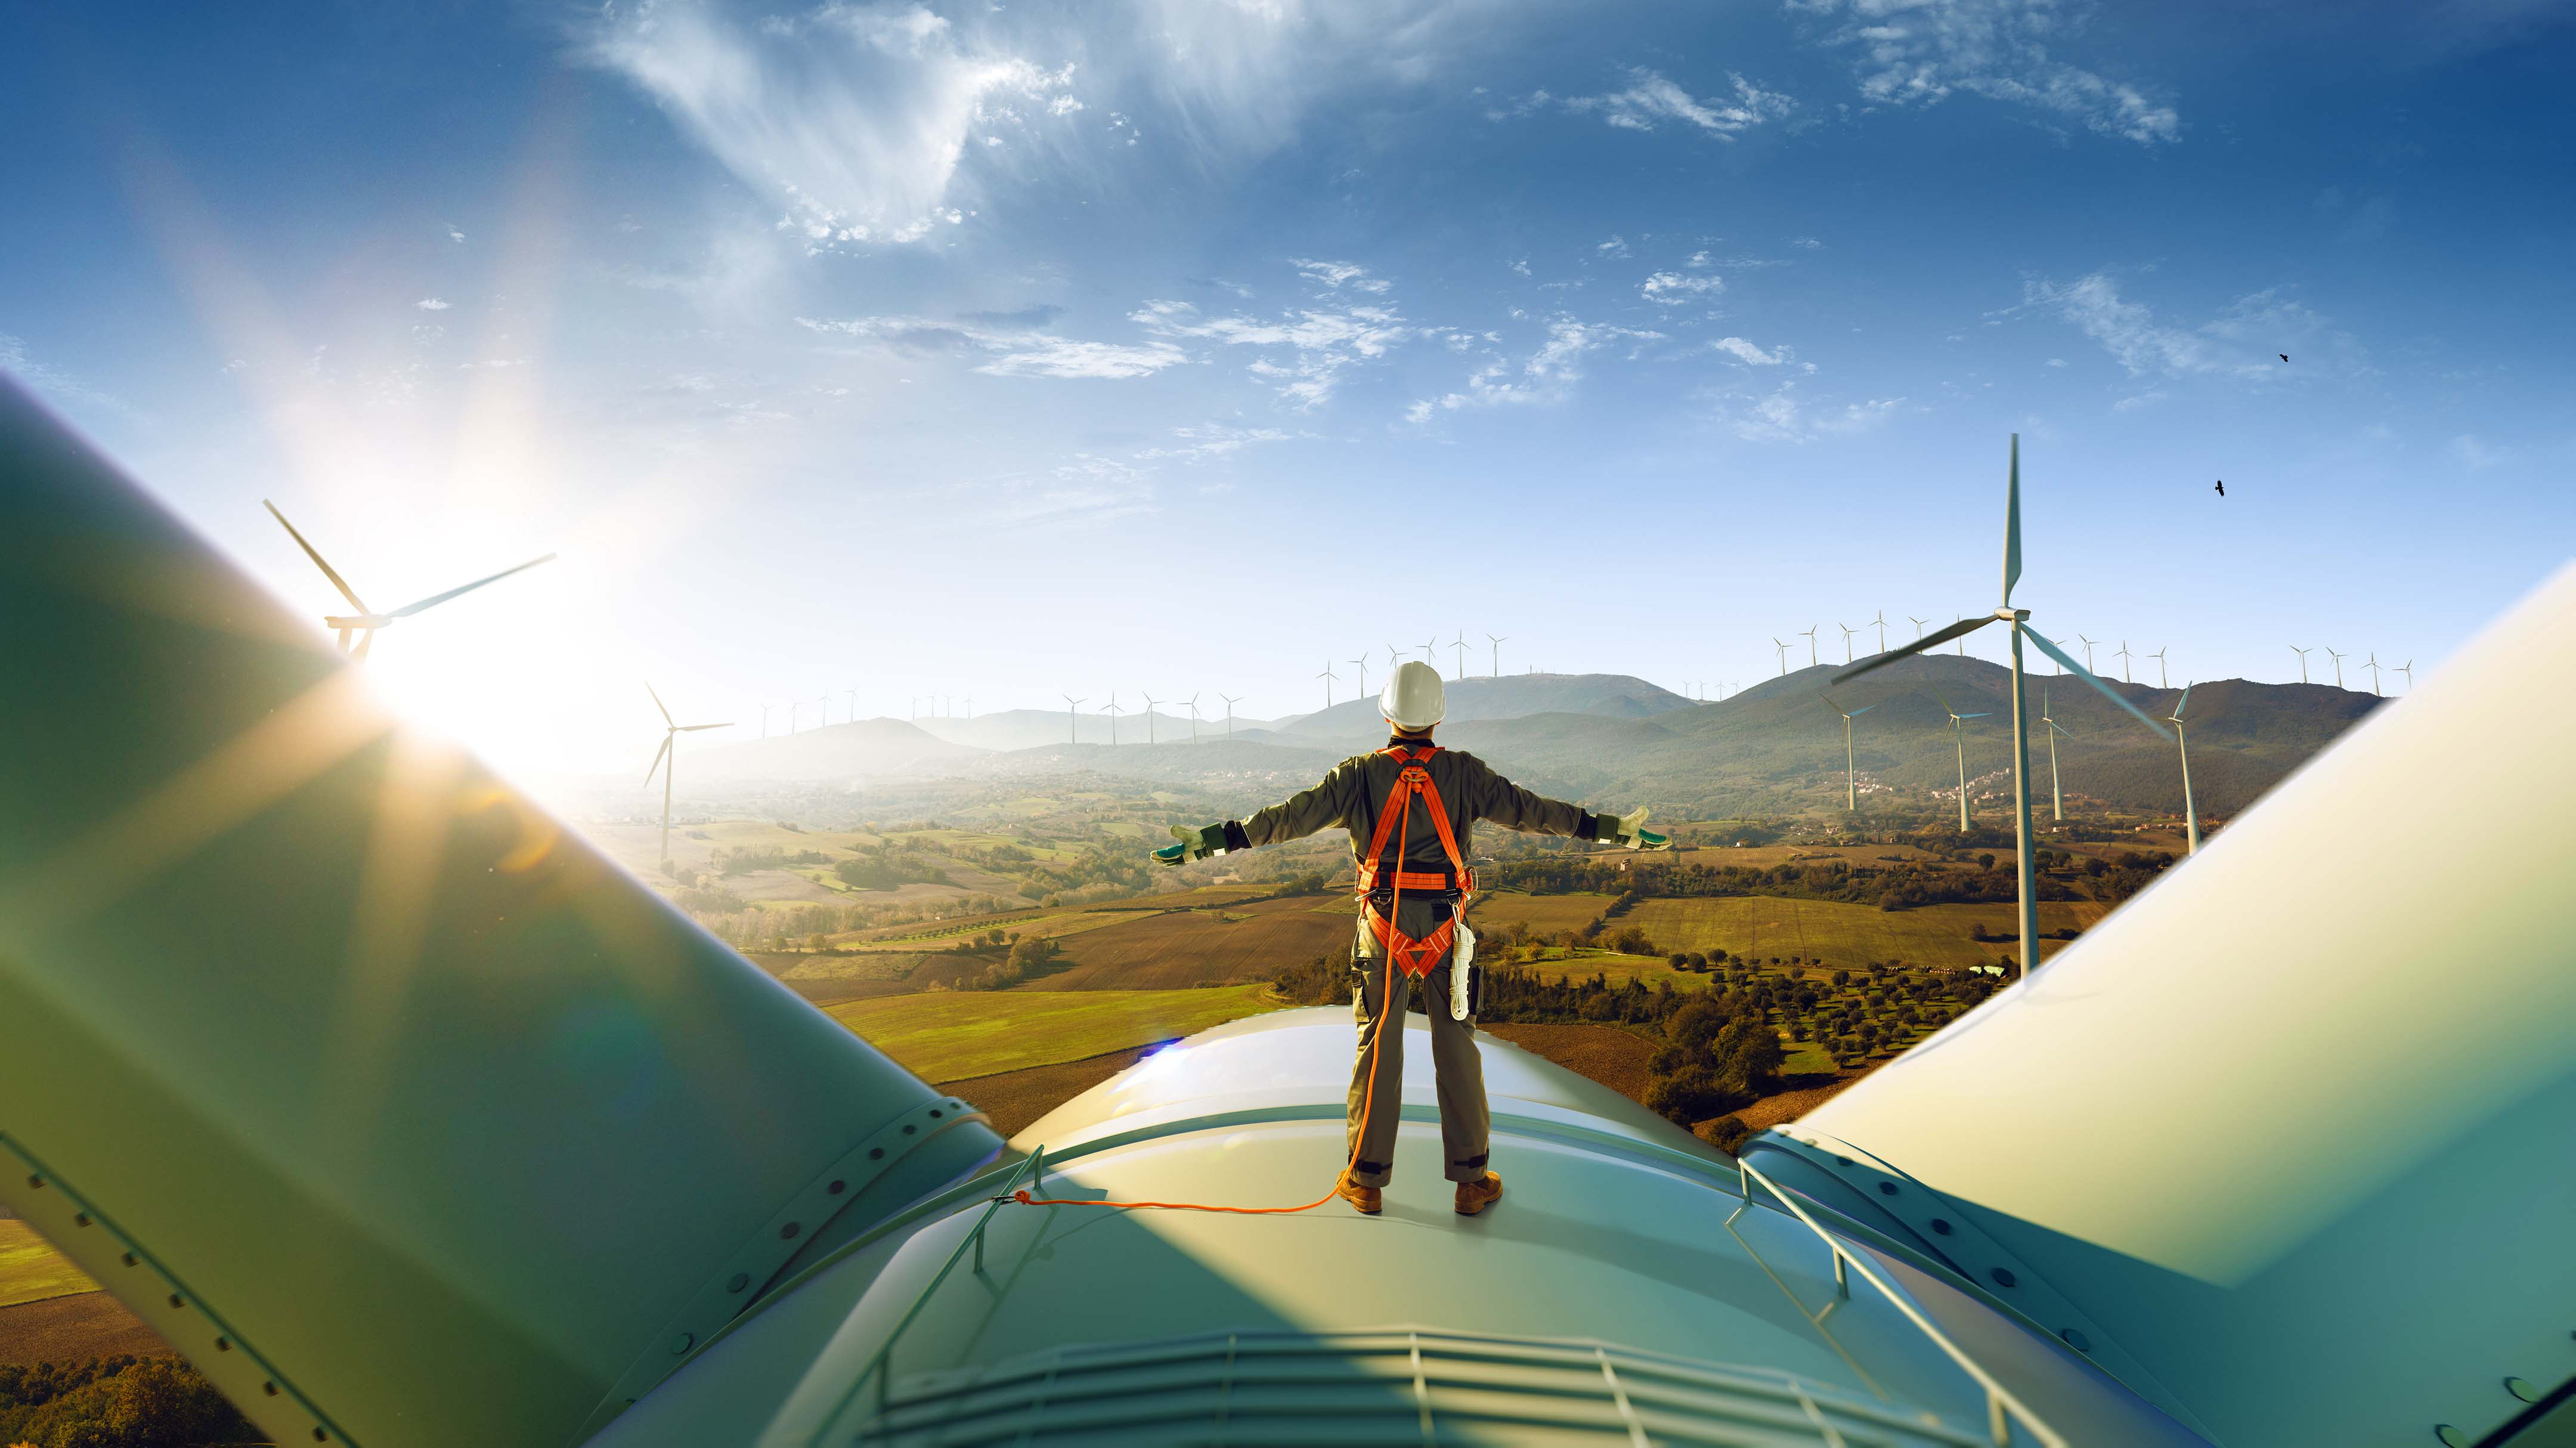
1413 698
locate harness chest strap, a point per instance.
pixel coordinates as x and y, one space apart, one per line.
1415 957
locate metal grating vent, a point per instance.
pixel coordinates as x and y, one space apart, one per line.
1396 1386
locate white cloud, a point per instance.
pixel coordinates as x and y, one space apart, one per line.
1210 441
1749 354
455 235
1547 375
1917 52
2138 401
1616 246
1007 345
2470 452
1322 343
1334 275
430 304
2056 361
1782 415
1651 100
2244 341
1808 243
1522 266
51 381
855 117
1064 357
1672 289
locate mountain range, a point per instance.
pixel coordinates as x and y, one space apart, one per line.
1613 739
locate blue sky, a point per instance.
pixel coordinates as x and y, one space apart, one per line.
1016 351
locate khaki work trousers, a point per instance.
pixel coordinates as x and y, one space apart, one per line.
1464 1118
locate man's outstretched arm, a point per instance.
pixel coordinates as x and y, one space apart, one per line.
1507 804
1300 815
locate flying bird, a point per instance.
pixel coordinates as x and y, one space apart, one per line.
2284 356
2222 487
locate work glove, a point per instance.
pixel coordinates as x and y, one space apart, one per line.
1630 830
1195 844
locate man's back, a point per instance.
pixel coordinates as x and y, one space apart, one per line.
1356 792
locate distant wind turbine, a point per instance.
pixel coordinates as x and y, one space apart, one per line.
1851 774
1150 703
1880 623
1431 652
1194 717
2338 663
853 698
1812 660
2408 669
2018 621
2303 661
1072 719
2056 796
666 758
2162 682
2373 666
1784 658
1460 647
1918 629
366 621
970 708
2190 816
1847 638
1229 713
1959 737
792 706
1963 638
1498 641
1329 678
2088 651
1361 663
1113 719
2123 657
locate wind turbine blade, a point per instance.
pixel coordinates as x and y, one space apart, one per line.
1863 709
658 704
434 600
366 641
693 728
328 571
658 754
2012 522
1928 641
2186 698
1980 714
2081 672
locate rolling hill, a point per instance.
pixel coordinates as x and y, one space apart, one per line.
834 752
1613 739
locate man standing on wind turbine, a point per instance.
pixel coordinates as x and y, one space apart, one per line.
1415 805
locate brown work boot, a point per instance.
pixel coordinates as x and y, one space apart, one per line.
1474 1197
1367 1200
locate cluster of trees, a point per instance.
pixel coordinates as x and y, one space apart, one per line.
1719 1054
1896 884
779 927
118 1402
890 866
1011 958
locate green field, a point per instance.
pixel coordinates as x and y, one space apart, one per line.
1762 926
31 1270
950 1035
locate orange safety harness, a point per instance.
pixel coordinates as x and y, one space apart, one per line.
1414 957
1414 780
